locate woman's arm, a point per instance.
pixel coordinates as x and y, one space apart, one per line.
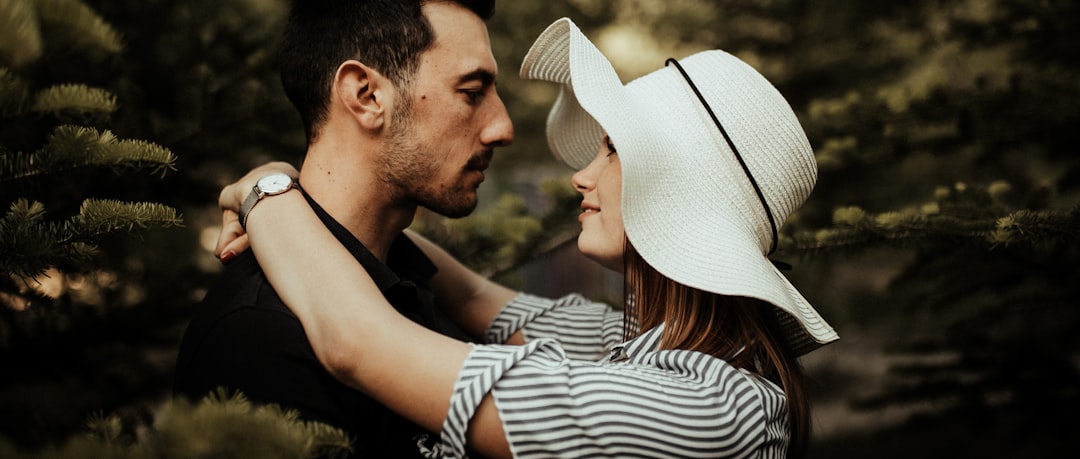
233 239
470 299
355 333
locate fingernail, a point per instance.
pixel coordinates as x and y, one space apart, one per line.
227 257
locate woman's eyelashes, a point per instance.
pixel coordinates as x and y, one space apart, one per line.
610 146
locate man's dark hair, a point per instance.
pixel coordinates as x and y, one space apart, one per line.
386 35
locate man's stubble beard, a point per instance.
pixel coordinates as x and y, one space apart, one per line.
408 170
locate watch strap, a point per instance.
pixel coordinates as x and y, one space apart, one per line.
248 204
256 195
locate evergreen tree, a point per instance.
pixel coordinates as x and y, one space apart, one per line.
948 183
49 130
952 153
948 186
65 318
55 145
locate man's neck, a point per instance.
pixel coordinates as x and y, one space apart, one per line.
357 199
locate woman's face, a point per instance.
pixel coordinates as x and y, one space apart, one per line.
600 184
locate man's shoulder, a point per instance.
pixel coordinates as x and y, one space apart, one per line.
240 318
242 285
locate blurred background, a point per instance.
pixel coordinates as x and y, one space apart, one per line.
941 241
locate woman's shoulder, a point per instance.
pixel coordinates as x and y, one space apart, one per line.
709 373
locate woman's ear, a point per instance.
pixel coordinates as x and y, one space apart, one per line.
364 93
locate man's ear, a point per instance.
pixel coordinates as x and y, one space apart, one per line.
365 93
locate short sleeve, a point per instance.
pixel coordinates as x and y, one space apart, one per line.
586 330
663 404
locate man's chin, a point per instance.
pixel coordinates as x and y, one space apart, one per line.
454 209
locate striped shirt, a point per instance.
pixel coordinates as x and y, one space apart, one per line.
574 392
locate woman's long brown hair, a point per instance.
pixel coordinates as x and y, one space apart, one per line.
744 332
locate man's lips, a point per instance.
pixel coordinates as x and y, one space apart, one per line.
480 162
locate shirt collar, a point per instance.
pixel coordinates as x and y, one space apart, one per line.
645 343
405 261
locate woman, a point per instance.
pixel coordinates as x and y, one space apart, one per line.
698 164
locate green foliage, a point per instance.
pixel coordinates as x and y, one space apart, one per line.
14 93
70 146
507 233
1028 226
20 40
233 427
220 426
944 132
104 216
71 101
32 244
977 323
965 215
945 135
74 25
54 140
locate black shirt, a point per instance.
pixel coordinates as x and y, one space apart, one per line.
243 337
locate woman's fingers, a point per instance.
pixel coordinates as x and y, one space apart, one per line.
232 239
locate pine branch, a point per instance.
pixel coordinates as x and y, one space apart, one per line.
75 103
559 227
1032 227
857 230
508 235
20 38
960 213
496 235
72 24
29 245
228 425
97 217
70 147
221 425
107 428
14 93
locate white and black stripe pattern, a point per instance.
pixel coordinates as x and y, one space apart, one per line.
672 403
475 380
586 330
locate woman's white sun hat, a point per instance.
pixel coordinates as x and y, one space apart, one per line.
708 149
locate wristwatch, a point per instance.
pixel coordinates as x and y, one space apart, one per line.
269 185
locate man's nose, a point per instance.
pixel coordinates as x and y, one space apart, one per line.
500 131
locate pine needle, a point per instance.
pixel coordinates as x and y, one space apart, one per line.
14 93
227 424
20 38
71 23
75 102
101 216
71 146
28 244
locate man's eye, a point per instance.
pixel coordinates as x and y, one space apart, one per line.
473 94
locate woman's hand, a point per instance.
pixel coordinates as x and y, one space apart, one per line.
233 239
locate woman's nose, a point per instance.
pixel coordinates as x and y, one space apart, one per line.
581 181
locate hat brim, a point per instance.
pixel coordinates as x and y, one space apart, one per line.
661 215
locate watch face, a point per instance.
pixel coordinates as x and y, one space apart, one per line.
275 183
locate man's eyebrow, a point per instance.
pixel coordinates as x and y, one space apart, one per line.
484 76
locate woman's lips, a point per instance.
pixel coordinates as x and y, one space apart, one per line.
587 212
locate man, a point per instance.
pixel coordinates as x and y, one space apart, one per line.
399 105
